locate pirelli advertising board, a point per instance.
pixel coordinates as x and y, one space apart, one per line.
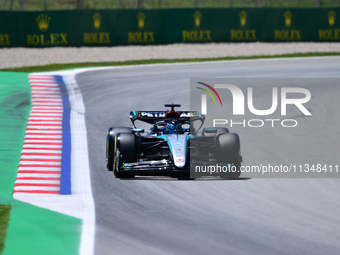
143 27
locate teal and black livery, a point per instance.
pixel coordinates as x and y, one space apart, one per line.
171 147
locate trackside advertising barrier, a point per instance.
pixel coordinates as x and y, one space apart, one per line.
132 27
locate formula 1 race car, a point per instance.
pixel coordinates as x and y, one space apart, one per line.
172 146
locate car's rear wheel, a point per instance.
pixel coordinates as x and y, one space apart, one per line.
228 147
125 153
110 144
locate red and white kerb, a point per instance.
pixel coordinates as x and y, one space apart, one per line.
40 163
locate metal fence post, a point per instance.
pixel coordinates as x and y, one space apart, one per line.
159 4
198 3
317 3
80 4
22 5
3 5
259 3
140 4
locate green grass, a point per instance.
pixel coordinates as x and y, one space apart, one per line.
54 67
15 106
34 230
38 5
4 218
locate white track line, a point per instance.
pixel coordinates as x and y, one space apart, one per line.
80 204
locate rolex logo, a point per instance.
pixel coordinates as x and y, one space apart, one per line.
43 22
197 17
243 18
96 20
331 18
288 18
141 20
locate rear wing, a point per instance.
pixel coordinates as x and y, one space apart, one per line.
152 116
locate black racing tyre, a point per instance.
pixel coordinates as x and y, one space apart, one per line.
126 152
228 148
110 143
219 130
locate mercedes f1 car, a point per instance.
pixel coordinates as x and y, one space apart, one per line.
172 146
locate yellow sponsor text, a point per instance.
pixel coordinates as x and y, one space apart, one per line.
197 36
141 37
329 34
4 39
48 39
243 35
287 35
97 38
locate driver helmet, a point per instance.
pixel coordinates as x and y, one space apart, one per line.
169 129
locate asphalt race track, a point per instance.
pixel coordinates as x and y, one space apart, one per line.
160 215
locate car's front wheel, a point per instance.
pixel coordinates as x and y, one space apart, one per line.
126 152
110 144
